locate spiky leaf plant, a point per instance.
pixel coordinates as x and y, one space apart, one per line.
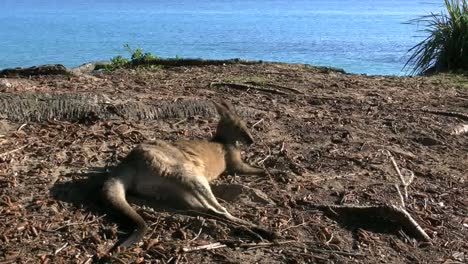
446 46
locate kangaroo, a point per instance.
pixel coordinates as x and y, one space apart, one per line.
183 170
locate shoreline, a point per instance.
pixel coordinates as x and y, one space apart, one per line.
93 66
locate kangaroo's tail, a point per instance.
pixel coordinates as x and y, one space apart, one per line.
114 194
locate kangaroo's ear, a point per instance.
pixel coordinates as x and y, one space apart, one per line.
227 105
221 108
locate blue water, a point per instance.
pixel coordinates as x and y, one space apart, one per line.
361 36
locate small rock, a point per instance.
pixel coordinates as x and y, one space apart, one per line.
5 85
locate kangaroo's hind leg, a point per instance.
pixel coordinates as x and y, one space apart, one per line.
198 195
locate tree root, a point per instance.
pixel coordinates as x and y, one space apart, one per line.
458 130
278 87
459 115
389 213
245 87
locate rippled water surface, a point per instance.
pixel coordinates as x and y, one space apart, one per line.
362 36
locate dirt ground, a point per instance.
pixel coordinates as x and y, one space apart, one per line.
327 132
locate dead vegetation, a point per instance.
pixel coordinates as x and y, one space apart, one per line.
340 141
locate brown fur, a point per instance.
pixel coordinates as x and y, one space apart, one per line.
183 170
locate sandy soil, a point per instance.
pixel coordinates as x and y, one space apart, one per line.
326 131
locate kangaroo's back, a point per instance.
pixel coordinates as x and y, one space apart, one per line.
208 158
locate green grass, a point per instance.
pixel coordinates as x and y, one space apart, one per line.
459 79
445 49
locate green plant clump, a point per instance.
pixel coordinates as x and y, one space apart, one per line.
446 47
118 62
137 57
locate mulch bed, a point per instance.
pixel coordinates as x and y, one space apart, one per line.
329 133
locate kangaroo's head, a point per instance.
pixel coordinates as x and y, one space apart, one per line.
230 127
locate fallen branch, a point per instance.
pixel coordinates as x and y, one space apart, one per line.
243 87
404 182
402 199
391 213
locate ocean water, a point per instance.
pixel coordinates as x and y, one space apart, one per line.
360 36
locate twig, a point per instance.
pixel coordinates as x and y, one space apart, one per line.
172 260
60 249
329 240
89 260
402 199
179 122
21 127
395 166
408 182
282 147
265 244
204 247
294 226
404 182
257 123
14 150
260 162
199 232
